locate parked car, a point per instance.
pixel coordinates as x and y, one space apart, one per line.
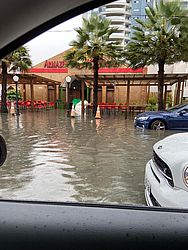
173 118
166 175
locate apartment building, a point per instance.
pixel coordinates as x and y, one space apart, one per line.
138 10
119 12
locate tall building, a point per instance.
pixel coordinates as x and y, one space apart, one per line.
185 3
138 10
122 14
119 12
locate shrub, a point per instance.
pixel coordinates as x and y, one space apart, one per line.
152 103
11 95
169 101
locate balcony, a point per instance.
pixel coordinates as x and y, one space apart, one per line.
117 3
115 10
116 18
127 39
117 36
119 27
127 30
127 21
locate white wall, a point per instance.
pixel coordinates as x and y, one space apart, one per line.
179 68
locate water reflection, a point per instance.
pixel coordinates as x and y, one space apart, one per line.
98 122
73 123
53 157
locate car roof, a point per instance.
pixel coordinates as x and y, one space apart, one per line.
22 20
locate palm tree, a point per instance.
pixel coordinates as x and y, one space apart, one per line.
93 50
17 60
159 40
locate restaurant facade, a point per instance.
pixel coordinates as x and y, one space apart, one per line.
46 81
111 88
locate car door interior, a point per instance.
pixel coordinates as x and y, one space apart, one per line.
49 225
183 112
28 19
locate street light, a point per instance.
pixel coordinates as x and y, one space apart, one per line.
68 80
16 79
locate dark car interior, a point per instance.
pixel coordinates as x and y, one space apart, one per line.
44 225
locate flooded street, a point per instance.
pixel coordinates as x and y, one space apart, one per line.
55 158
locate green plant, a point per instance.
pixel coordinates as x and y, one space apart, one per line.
92 49
169 101
19 60
159 39
152 103
11 95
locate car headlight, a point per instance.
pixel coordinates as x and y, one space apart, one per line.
142 118
185 176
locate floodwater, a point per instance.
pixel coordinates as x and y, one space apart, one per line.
52 157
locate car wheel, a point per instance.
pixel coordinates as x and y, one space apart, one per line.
158 125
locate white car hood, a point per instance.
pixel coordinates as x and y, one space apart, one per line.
173 150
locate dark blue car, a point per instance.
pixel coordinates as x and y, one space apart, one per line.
173 118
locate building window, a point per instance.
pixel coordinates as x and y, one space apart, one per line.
136 10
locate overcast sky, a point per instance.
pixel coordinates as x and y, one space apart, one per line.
53 41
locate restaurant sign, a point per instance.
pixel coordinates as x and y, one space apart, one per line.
54 64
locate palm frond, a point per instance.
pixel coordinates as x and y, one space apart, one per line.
93 41
158 37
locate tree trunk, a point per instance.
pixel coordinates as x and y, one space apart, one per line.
160 85
95 85
4 88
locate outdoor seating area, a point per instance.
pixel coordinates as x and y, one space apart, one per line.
105 108
37 105
113 108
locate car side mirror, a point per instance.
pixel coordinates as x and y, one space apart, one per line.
3 150
183 112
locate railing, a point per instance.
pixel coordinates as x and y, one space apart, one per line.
113 108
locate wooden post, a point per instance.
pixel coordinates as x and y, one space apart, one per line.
91 95
178 92
128 94
148 94
182 92
55 95
24 92
32 95
104 94
67 97
83 85
165 95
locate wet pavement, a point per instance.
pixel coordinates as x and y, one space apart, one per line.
55 158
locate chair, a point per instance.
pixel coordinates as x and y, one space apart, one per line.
102 107
122 107
38 105
28 104
51 105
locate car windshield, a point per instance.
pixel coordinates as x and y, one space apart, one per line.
176 108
